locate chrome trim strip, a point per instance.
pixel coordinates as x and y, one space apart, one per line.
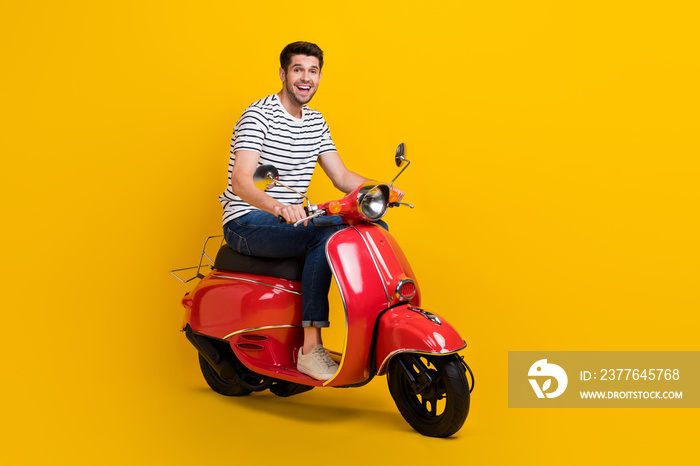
257 282
393 353
255 329
374 261
428 315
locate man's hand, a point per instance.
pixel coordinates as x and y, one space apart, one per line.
292 213
400 193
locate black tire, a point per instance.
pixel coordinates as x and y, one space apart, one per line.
440 407
219 384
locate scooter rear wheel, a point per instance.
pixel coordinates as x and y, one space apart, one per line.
219 384
436 402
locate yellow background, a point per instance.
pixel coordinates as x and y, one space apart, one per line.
554 148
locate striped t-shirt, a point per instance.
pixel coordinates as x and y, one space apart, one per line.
292 145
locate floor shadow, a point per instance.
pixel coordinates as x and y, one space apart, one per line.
309 409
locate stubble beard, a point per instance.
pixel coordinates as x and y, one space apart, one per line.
291 91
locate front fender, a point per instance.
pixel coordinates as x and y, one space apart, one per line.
409 329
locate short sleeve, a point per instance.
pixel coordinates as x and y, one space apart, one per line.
250 131
327 144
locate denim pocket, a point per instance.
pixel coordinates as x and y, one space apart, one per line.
235 237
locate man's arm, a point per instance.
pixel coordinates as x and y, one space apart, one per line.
242 184
342 178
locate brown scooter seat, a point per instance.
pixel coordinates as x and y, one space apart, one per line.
289 268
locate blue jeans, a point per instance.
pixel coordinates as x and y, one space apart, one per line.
259 233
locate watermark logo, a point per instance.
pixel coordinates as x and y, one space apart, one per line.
603 379
543 370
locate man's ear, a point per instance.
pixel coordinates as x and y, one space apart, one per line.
282 73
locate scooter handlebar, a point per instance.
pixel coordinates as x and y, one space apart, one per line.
347 204
309 216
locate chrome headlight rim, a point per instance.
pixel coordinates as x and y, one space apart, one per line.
373 201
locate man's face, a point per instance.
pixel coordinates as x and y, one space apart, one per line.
301 78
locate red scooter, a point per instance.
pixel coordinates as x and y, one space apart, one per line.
244 318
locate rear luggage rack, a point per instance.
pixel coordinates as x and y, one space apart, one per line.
201 258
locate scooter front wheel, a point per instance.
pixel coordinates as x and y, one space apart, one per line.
219 384
431 392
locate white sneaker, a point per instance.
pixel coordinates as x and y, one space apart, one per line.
317 364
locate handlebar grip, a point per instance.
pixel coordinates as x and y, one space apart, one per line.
283 220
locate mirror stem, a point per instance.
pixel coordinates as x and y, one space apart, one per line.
408 162
308 202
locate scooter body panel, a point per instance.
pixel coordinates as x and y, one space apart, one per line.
407 328
367 264
259 316
226 302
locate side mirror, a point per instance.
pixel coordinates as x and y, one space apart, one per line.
267 176
264 176
399 157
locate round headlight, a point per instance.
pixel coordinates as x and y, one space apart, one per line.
373 201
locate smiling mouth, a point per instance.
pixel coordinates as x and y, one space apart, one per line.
303 87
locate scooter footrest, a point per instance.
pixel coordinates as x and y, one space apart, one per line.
283 388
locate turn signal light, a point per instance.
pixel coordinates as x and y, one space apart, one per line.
334 207
393 196
406 289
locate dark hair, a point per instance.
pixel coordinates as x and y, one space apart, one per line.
300 48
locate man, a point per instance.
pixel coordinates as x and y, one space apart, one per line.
281 130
